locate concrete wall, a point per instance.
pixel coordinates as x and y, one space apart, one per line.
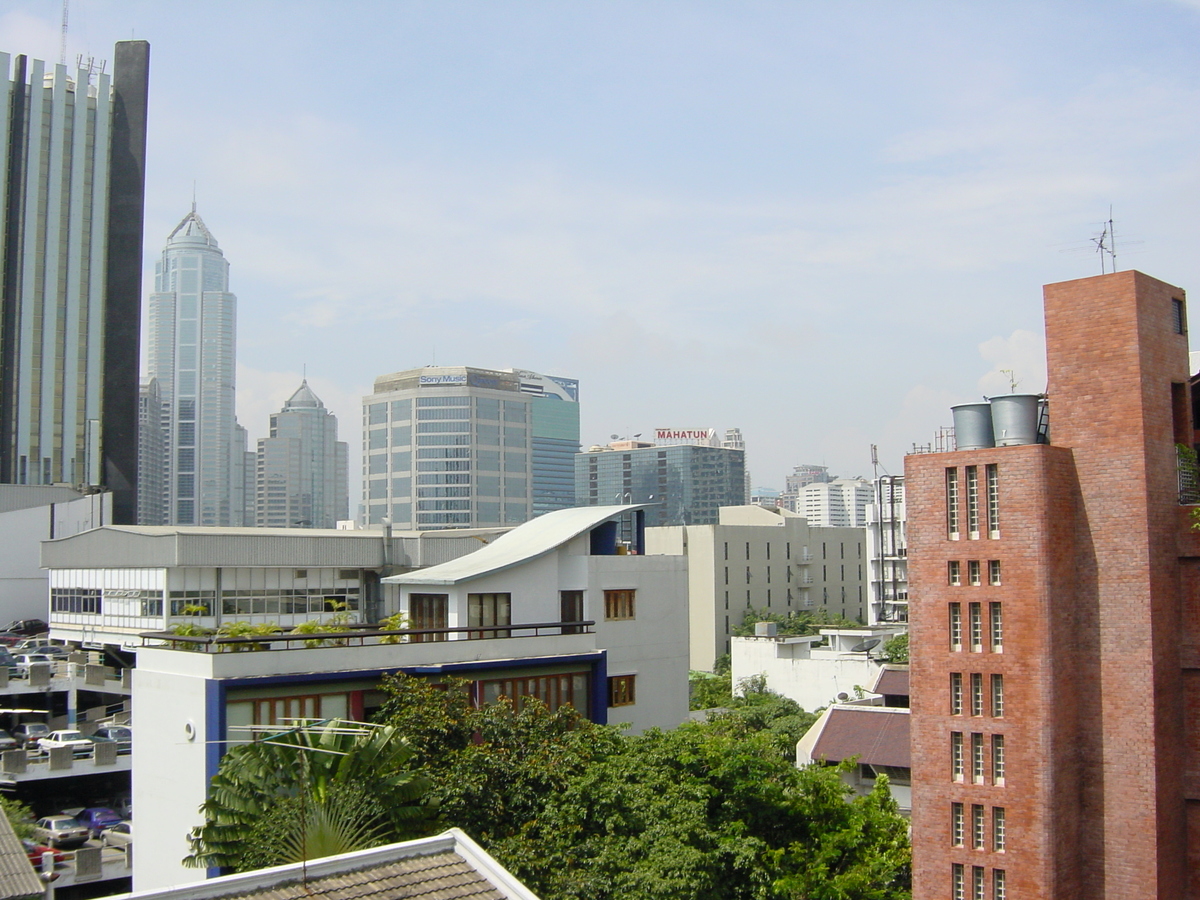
812 680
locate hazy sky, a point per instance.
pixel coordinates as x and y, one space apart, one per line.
823 223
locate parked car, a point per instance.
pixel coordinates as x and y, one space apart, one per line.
34 851
22 662
55 651
27 734
61 831
29 627
8 742
65 738
123 805
119 835
97 818
10 639
121 734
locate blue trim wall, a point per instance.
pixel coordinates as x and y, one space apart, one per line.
214 725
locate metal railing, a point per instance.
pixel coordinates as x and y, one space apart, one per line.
358 635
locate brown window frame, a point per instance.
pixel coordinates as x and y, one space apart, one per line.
620 604
622 690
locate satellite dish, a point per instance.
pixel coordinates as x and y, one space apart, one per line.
864 646
843 696
613 437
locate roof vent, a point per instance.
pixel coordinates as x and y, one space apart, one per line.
766 629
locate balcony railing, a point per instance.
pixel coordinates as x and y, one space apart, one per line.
357 635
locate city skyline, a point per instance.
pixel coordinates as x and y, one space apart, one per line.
705 201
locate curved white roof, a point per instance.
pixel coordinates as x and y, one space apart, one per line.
525 542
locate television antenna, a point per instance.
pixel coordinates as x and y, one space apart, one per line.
62 38
1106 243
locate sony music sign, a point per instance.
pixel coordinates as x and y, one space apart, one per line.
704 437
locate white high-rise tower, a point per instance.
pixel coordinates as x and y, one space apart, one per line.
193 323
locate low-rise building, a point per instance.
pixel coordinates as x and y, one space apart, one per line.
756 558
555 609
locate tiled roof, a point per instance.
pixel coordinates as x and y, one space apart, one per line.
892 681
877 735
440 876
17 878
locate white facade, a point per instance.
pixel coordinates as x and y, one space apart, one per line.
887 550
192 354
842 502
766 560
813 676
198 700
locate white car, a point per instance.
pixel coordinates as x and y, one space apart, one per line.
119 835
66 738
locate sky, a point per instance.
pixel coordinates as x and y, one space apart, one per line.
822 223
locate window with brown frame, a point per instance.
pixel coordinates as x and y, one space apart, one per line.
489 609
618 604
428 611
553 690
621 690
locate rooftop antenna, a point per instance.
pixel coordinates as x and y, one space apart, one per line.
62 40
193 196
1106 243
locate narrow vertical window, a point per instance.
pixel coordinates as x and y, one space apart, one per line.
973 502
956 694
977 758
1178 322
954 572
976 611
997 759
999 885
956 755
955 626
993 497
958 886
977 882
998 696
994 572
973 574
998 829
996 623
957 825
976 694
977 827
952 503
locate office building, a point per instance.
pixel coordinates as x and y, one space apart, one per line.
456 446
152 455
686 483
841 502
1053 620
302 467
801 475
734 441
72 174
192 334
554 438
756 558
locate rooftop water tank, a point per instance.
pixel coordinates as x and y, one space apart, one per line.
973 426
1015 419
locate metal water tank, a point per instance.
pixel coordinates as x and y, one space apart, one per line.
1015 419
973 426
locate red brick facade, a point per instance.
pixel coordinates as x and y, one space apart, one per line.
1094 575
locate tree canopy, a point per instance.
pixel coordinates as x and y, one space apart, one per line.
708 810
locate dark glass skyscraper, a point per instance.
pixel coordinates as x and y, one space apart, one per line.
72 175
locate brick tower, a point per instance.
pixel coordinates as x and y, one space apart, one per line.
1055 624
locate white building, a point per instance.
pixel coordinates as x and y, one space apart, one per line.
842 502
552 609
766 560
301 472
887 551
192 346
814 670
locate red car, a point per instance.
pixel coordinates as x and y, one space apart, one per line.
34 851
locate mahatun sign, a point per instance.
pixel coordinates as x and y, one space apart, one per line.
705 437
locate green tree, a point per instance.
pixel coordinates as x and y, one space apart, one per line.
310 792
19 816
799 622
895 649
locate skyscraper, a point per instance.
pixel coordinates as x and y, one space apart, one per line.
151 455
302 468
72 175
193 323
455 446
